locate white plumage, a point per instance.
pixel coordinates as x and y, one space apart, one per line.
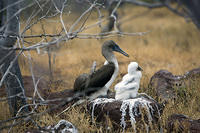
128 87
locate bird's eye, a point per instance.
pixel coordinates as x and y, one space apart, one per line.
110 46
116 47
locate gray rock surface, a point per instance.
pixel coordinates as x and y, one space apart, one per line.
140 111
165 84
181 123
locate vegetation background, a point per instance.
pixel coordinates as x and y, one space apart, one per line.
171 44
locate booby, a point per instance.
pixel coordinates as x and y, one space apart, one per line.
129 86
98 82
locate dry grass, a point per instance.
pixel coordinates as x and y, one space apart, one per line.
172 44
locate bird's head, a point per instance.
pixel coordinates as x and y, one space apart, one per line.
112 46
133 67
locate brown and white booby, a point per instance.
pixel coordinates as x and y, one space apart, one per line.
98 82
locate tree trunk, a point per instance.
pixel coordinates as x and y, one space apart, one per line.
1 14
193 6
2 17
13 80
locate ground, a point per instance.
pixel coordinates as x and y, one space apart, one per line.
171 44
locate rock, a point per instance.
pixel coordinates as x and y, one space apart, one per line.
127 113
192 78
63 126
162 82
165 83
182 123
195 73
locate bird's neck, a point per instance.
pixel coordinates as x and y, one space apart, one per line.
113 60
110 57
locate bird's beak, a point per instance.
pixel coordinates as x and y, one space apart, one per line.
118 49
139 68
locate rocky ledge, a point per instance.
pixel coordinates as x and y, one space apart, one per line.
167 86
127 113
181 123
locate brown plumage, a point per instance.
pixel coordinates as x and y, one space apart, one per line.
96 82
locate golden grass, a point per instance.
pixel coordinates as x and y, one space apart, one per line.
172 44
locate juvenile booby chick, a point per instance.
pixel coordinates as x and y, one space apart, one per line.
98 83
128 87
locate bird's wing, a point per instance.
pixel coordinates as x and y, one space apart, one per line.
125 80
130 80
80 82
100 77
131 86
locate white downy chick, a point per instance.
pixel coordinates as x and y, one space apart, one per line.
128 87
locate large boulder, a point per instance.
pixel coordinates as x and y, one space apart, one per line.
137 113
181 123
165 84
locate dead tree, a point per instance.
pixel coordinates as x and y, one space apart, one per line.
11 75
10 71
188 9
194 11
113 17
